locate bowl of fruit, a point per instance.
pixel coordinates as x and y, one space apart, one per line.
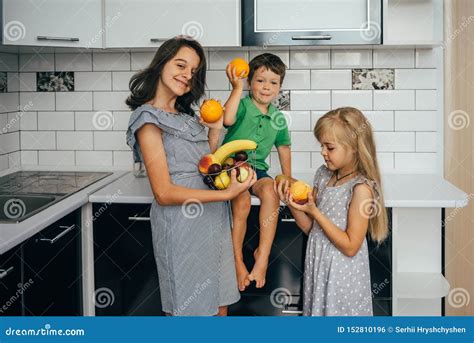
217 167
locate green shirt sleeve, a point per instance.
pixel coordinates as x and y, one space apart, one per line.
283 137
239 115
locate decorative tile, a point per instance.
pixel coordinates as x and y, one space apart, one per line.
373 78
55 81
3 82
282 102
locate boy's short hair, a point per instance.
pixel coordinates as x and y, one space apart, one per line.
269 61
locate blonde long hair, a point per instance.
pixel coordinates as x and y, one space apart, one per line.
352 129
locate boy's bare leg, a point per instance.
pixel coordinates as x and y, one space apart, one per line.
240 212
269 206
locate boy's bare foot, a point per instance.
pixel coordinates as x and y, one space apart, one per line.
243 280
259 270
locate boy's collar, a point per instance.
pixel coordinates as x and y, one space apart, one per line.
272 110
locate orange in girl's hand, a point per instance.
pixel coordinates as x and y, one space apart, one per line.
299 191
240 66
211 111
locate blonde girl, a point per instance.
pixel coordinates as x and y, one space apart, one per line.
346 203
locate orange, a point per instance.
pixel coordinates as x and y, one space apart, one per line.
240 66
299 191
211 111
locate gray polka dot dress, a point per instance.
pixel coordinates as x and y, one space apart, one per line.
192 243
335 284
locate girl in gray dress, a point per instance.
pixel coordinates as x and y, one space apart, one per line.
190 223
349 203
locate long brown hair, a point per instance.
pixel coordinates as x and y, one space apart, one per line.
352 129
143 84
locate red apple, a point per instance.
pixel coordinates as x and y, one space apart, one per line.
206 162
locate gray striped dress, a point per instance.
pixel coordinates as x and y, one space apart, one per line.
192 243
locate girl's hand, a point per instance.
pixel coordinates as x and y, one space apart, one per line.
280 189
308 208
235 80
235 187
216 125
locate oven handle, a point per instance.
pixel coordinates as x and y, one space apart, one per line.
315 37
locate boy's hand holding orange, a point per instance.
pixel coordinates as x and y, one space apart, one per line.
237 70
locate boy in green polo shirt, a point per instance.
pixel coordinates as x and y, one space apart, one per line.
255 118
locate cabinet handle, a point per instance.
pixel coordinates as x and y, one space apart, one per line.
5 272
317 37
158 40
292 220
55 239
292 311
62 39
139 219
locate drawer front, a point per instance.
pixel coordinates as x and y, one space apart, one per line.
11 287
53 261
126 278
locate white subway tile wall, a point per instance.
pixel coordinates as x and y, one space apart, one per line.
9 116
87 126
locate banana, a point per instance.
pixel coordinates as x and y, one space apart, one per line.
229 148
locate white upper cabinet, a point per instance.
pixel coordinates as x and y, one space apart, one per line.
147 23
413 22
71 23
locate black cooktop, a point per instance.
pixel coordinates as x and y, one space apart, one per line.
25 193
48 182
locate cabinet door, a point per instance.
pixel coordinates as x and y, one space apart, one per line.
126 278
52 264
72 23
286 262
11 287
147 23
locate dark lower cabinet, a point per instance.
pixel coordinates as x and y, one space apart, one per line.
52 269
11 288
282 293
126 279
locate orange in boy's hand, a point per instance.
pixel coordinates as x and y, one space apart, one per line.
299 191
211 111
240 66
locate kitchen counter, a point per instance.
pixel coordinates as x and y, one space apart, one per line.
417 205
12 234
400 190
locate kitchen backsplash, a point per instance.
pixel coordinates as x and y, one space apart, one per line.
67 108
